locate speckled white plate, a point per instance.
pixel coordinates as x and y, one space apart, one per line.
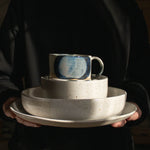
17 108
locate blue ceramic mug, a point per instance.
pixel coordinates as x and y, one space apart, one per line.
72 66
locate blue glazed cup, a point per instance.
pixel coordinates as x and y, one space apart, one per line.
72 66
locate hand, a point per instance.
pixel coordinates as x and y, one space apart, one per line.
9 113
133 117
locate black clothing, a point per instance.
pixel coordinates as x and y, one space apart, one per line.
53 138
115 31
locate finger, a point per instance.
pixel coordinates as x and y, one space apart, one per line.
9 101
10 114
119 124
6 108
134 117
26 123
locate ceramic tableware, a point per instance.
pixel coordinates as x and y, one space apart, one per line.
72 66
17 108
35 103
54 88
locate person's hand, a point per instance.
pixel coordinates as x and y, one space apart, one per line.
9 113
133 117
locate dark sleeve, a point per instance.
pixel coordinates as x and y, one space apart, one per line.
138 68
137 93
3 9
10 70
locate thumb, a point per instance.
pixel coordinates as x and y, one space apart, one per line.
6 108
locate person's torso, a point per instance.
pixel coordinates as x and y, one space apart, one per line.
78 27
81 27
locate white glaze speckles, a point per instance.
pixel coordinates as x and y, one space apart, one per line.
17 108
75 89
34 102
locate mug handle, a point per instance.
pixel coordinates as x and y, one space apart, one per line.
100 62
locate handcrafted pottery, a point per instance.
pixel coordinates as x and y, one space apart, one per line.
35 103
97 87
72 66
17 108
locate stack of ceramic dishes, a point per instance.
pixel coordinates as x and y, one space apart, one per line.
67 102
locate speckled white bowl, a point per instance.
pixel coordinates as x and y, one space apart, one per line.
35 103
97 87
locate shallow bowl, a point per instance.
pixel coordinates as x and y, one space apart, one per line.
35 103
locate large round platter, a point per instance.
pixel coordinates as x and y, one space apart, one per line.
17 108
